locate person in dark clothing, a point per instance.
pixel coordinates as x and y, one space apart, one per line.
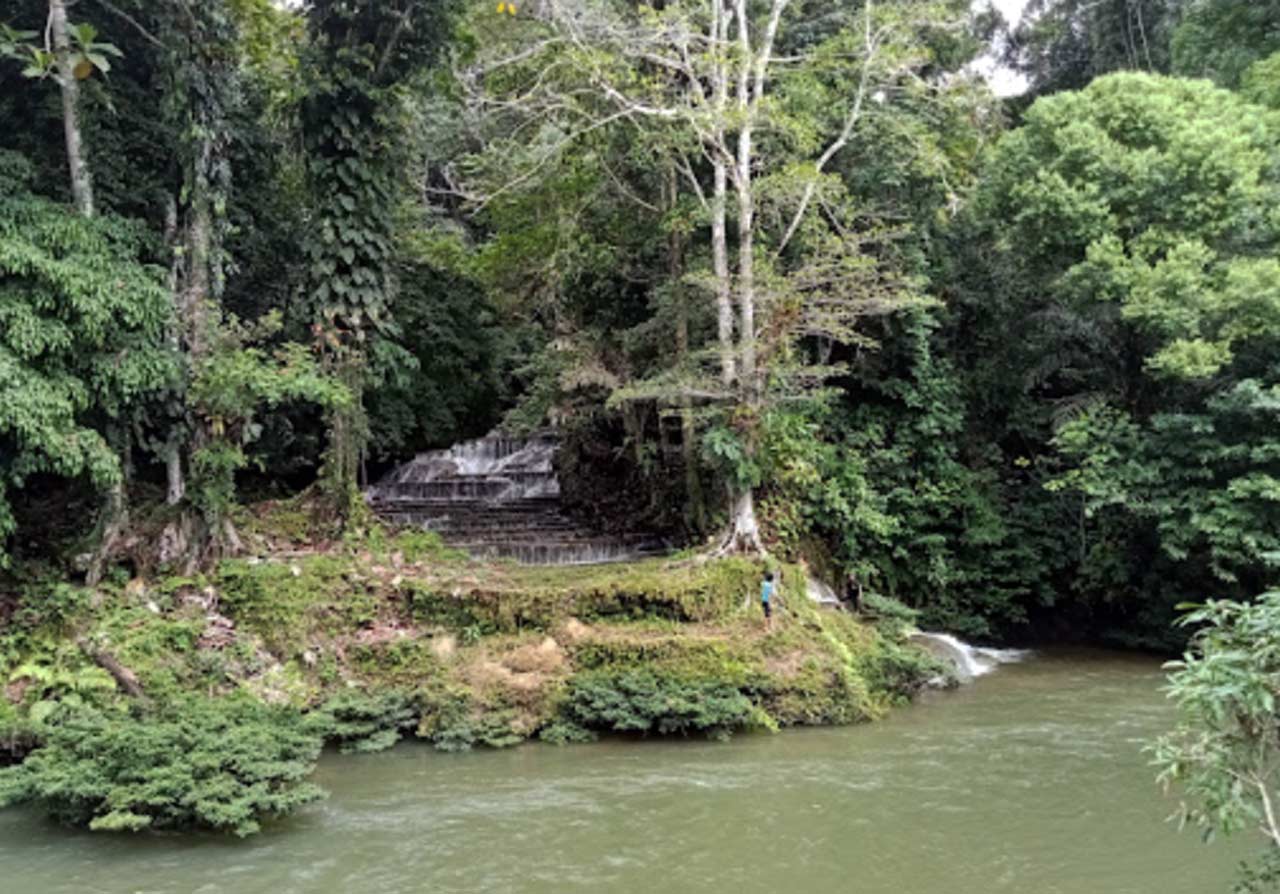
853 591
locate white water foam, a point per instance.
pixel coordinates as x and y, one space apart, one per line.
970 661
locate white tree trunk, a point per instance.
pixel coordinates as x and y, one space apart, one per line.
720 201
746 269
173 472
743 535
720 267
81 182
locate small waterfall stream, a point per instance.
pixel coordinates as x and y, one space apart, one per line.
498 498
970 661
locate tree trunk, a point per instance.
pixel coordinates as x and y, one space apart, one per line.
720 267
720 200
177 485
743 535
115 516
747 280
695 509
347 438
81 182
177 489
115 512
195 297
744 530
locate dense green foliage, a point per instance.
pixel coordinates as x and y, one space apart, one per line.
640 701
1132 250
1223 753
792 283
1062 428
216 765
82 321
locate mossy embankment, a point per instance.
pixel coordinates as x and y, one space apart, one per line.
496 653
396 635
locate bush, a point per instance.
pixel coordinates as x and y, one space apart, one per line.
220 765
17 734
364 723
642 701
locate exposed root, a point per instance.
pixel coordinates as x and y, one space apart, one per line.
126 678
743 535
116 521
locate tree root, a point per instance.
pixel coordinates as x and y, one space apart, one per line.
743 535
127 679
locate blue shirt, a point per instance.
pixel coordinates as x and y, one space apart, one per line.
766 590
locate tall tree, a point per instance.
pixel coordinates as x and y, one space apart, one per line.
1065 44
77 160
1134 265
755 104
361 58
1221 39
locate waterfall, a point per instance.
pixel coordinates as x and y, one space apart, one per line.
969 661
498 498
822 594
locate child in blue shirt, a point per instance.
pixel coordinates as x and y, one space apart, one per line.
766 598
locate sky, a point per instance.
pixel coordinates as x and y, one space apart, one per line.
1003 81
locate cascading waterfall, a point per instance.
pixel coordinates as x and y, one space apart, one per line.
970 661
822 594
498 497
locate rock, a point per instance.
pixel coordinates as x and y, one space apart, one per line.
443 647
575 630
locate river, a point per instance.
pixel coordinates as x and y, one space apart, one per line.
1030 780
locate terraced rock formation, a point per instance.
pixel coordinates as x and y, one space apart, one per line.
498 497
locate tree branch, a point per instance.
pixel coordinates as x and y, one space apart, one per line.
842 140
116 11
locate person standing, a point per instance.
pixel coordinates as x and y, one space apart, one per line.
853 591
766 599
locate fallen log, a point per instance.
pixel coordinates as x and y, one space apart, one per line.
125 678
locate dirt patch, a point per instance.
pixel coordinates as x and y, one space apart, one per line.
788 665
444 647
521 675
383 633
546 657
16 690
575 630
493 675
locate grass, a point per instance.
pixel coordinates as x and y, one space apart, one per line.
493 653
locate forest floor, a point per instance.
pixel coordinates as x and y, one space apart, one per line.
407 632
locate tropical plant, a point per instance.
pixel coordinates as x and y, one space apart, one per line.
219 765
1224 755
82 326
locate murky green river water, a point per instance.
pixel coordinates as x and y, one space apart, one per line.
1029 780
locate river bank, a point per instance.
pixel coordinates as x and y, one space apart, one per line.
362 643
1031 779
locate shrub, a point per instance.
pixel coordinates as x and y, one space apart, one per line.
454 719
365 722
564 732
642 701
220 765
